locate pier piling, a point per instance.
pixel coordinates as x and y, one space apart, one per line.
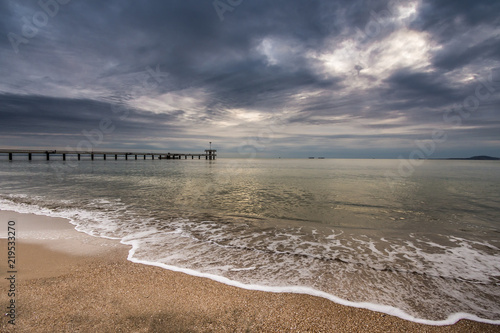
209 154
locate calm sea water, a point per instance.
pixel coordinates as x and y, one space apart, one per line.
423 247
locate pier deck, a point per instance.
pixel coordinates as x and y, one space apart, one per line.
209 154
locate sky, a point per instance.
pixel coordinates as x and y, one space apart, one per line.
294 78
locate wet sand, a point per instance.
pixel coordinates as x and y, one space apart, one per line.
67 281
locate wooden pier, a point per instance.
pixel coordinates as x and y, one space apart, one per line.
209 154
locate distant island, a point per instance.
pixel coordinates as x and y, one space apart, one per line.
477 158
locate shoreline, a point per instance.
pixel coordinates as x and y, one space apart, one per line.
77 281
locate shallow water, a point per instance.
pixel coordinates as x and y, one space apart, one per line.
424 246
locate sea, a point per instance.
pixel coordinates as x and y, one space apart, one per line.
421 243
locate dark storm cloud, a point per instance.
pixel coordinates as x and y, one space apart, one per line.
178 67
446 18
460 55
409 89
460 26
50 120
249 86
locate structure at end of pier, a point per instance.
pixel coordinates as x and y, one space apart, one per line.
210 154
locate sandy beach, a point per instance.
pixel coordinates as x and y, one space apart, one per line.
67 281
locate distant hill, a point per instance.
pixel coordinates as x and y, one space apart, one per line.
477 158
